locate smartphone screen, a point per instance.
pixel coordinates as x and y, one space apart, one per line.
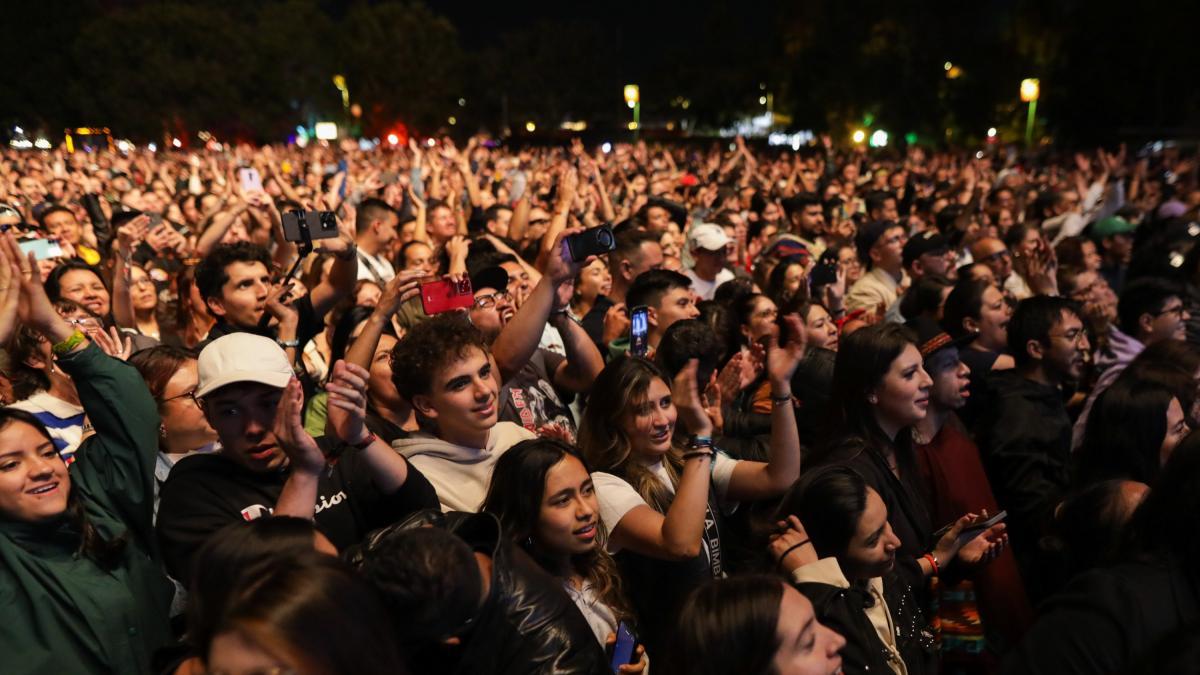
638 328
445 295
623 648
251 181
42 248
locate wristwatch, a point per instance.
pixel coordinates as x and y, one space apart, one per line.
562 312
287 344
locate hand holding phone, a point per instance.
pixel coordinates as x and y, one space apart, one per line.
250 179
622 649
971 531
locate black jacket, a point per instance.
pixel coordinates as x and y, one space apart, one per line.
842 609
908 513
1107 620
1026 446
528 623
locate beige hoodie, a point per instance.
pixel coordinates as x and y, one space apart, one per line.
458 473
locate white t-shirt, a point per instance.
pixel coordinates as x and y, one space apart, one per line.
705 289
599 616
374 268
617 497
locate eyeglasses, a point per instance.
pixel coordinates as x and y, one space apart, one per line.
491 299
996 257
1075 336
1178 311
144 281
190 394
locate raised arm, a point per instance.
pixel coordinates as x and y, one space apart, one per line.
678 534
752 481
519 339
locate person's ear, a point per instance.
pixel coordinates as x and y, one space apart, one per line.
652 317
971 324
215 305
423 404
1035 349
1145 323
35 361
626 268
875 255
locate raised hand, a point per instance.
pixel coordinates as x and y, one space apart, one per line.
790 548
348 402
10 294
783 361
301 450
685 393
113 343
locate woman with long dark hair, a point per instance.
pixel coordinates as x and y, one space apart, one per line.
1131 431
751 624
83 588
544 496
847 569
880 390
307 615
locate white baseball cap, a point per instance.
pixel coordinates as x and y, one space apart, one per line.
708 236
242 357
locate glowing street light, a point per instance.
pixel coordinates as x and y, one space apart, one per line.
858 136
530 127
633 99
1031 90
632 95
991 132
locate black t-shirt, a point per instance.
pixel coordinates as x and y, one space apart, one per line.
307 327
529 398
207 492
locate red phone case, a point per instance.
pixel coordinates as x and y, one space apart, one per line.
445 295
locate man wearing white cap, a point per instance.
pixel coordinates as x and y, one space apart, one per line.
268 465
709 246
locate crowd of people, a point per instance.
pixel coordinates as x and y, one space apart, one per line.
892 411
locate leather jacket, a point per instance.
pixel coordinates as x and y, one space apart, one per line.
528 624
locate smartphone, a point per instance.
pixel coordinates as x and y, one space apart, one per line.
251 181
445 295
593 241
42 248
155 219
638 328
971 531
318 225
390 177
823 273
623 648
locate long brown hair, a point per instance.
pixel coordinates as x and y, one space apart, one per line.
515 496
620 388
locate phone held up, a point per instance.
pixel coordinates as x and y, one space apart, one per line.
638 328
318 225
445 295
594 241
43 249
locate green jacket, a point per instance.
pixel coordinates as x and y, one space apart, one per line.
64 613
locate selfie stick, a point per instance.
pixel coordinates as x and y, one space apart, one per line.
303 248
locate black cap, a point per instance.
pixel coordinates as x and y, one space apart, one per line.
869 234
489 277
929 241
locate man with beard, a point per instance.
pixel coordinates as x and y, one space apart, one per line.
1027 437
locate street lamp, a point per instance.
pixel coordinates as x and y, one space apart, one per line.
633 99
1031 89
